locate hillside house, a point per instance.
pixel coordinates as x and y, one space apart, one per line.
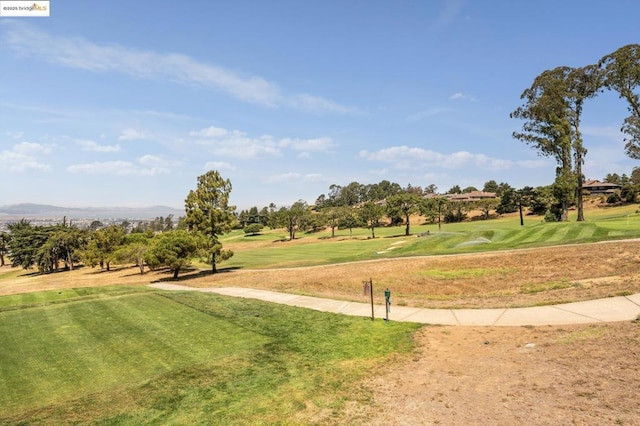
595 187
472 196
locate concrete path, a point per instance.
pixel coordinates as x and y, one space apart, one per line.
622 308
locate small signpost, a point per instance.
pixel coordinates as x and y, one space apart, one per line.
367 287
387 303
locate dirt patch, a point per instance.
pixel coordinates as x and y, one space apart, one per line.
584 375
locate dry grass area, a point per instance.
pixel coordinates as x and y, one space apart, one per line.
485 280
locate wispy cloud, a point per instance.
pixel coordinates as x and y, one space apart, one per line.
31 148
82 54
131 135
209 132
15 135
317 144
88 145
116 168
430 112
461 96
293 177
21 158
237 144
219 165
158 161
405 157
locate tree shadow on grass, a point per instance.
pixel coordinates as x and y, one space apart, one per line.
193 274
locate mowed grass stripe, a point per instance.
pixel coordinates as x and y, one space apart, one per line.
37 298
56 352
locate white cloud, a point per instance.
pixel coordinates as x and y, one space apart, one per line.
31 148
296 178
210 132
237 144
404 157
131 135
218 165
78 53
318 104
18 162
88 145
157 161
116 168
317 144
457 96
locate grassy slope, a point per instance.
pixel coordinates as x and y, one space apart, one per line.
125 357
268 250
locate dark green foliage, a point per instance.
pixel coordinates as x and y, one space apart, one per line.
208 211
402 206
621 71
455 211
614 198
371 213
173 249
26 240
508 202
253 228
294 218
490 186
5 241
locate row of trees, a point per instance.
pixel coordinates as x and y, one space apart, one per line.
207 216
552 113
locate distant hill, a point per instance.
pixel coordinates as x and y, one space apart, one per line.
30 210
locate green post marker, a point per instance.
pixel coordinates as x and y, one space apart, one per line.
387 302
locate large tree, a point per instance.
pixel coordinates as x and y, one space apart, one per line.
582 83
26 240
173 249
293 218
102 245
404 205
135 247
547 127
371 213
622 74
208 212
5 240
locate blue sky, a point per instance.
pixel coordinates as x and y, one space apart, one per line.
114 103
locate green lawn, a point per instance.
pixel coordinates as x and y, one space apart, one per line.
497 234
118 356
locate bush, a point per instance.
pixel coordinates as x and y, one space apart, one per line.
253 229
613 198
549 216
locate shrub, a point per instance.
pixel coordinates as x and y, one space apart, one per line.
253 228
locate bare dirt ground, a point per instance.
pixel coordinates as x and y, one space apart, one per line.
552 375
570 375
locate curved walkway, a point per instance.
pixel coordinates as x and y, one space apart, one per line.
622 308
